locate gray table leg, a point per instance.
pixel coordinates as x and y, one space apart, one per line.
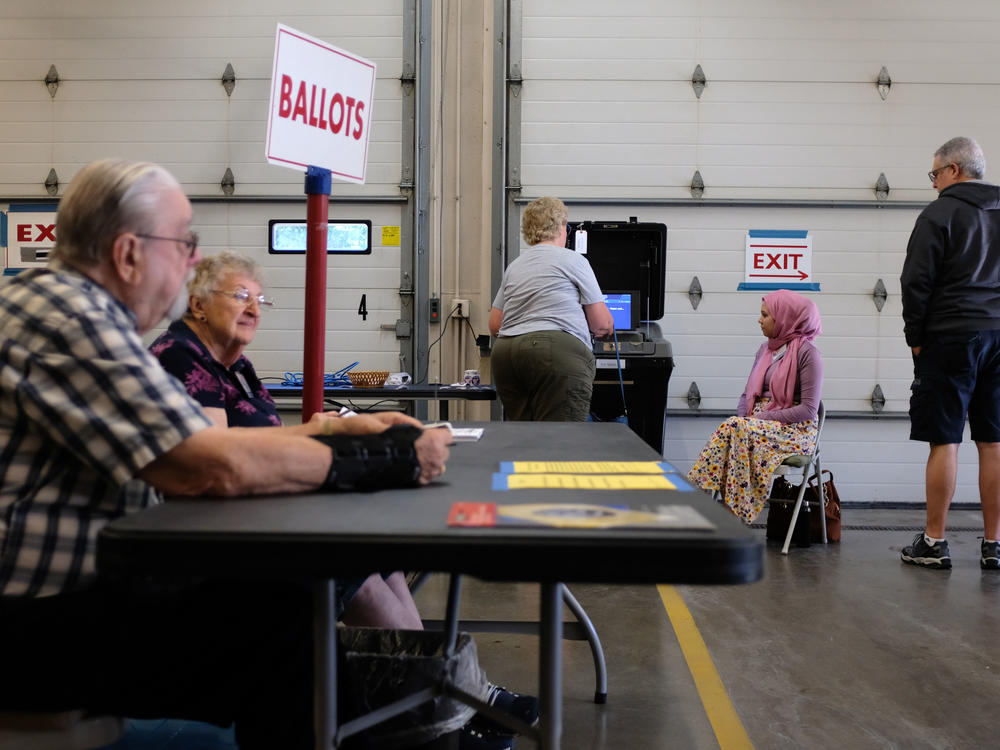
451 615
325 664
550 666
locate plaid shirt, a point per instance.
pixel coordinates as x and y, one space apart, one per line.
83 408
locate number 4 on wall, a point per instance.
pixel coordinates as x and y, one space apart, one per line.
363 307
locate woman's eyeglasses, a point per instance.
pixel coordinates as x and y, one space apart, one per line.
245 296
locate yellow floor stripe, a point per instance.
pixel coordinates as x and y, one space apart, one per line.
726 724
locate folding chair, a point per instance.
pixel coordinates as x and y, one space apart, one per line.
806 464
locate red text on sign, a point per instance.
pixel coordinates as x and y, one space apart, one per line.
45 232
781 261
318 108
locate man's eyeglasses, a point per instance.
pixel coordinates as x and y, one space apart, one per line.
245 296
190 242
934 172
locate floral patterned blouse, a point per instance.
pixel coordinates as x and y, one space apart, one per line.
236 389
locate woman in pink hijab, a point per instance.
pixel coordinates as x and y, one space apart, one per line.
776 414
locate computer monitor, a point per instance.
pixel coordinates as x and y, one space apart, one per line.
624 307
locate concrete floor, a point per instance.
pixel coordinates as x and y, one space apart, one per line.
840 646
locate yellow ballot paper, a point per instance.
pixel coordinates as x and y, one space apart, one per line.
589 482
586 467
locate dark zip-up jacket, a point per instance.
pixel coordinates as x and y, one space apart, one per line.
951 275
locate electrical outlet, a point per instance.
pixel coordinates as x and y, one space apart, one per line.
460 308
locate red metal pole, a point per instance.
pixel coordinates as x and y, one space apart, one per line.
314 344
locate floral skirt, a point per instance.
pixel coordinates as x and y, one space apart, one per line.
741 456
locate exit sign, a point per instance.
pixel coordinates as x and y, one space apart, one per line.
778 259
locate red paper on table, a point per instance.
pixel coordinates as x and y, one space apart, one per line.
473 514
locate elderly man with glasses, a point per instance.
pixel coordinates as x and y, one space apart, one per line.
91 428
951 317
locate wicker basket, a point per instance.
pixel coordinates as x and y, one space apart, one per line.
368 378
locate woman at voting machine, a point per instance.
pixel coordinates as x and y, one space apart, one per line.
548 304
776 414
204 350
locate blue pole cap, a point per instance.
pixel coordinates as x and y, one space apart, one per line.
318 181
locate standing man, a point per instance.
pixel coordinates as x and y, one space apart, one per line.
951 317
91 428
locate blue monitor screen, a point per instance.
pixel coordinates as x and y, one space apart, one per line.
624 307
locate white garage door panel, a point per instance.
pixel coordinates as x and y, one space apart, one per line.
617 155
676 134
670 30
654 107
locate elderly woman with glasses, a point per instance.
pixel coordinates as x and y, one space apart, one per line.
204 350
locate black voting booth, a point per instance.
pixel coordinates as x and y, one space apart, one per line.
629 259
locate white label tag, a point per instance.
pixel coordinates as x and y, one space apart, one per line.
609 364
580 242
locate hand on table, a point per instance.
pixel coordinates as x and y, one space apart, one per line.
432 452
332 423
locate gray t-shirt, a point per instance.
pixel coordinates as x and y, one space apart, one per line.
544 290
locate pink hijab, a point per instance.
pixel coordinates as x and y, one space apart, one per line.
796 319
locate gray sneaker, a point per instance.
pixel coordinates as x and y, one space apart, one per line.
929 555
990 559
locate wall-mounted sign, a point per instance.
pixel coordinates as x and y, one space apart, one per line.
31 236
778 259
321 106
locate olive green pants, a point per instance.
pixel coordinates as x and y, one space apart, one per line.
544 376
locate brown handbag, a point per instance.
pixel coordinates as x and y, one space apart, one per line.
832 507
782 502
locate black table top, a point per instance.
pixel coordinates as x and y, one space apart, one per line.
349 535
426 390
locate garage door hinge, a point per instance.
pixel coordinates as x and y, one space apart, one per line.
883 83
878 399
697 185
52 182
698 81
881 187
52 81
879 295
228 183
229 79
693 396
694 293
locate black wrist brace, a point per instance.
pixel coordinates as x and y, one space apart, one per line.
373 462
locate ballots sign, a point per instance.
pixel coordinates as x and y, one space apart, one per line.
321 106
779 256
